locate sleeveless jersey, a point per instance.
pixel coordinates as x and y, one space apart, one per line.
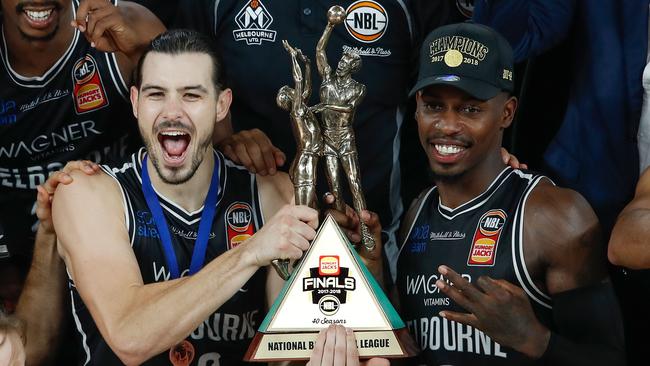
223 338
78 109
481 237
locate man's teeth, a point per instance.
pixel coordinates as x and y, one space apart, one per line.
173 133
38 15
448 149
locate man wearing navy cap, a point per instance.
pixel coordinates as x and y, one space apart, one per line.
497 266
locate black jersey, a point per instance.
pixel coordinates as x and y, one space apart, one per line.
78 109
222 339
481 237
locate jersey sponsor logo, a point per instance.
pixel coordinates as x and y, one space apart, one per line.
438 334
45 97
88 93
7 112
254 21
486 238
182 354
239 223
366 21
329 284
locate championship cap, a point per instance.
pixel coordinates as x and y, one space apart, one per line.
468 56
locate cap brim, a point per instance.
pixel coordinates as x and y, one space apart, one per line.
476 88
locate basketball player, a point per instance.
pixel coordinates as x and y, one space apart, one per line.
497 266
629 245
61 98
165 254
306 130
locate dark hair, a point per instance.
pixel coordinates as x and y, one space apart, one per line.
179 41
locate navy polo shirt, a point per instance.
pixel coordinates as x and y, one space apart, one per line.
249 36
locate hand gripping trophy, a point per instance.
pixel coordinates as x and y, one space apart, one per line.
340 95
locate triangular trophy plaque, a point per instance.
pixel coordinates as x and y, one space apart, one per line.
331 285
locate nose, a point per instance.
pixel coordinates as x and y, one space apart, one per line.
173 109
448 123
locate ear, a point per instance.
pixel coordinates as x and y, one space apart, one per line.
223 104
509 109
134 100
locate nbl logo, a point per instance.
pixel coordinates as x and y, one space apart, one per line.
366 21
329 284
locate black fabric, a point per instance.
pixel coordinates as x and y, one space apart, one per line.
591 335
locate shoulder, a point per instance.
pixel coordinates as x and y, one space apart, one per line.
562 236
562 209
412 213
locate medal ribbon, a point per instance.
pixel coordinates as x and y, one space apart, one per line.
201 243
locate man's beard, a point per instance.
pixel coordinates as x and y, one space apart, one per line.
197 159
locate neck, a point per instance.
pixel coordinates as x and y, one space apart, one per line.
455 191
34 57
191 194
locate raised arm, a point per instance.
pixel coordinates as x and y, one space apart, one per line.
629 244
96 249
126 29
321 56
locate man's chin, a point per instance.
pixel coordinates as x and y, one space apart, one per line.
43 37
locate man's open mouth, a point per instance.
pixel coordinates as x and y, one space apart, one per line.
174 144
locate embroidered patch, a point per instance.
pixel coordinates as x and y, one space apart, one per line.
254 21
366 21
88 93
486 238
239 223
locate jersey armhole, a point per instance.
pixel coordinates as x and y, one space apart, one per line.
517 245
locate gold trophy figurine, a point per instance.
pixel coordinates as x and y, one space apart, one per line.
308 138
340 95
329 284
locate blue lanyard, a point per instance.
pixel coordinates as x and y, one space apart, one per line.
201 243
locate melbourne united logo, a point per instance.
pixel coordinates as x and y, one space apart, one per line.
486 238
239 223
366 21
329 284
88 91
254 21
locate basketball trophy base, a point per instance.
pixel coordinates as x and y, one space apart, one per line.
331 285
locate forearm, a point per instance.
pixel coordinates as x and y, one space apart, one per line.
588 328
144 24
321 56
147 327
629 245
41 304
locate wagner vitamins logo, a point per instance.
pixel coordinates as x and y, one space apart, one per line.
366 21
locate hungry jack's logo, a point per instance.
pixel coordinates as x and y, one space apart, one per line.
329 284
486 238
88 93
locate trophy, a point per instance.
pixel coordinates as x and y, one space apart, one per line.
330 284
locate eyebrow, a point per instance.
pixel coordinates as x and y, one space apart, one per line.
199 87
